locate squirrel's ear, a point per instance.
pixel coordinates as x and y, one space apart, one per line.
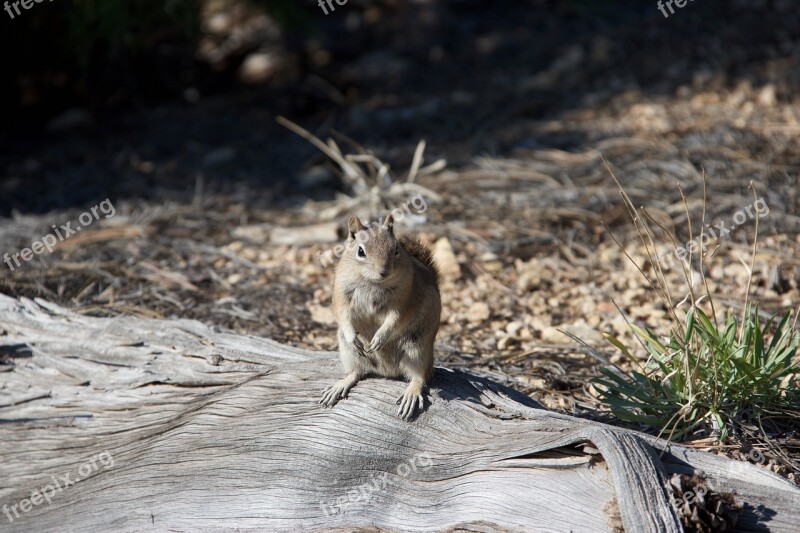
354 225
388 223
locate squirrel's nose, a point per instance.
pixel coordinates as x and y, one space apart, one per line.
384 272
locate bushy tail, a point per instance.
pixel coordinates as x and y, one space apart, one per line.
422 253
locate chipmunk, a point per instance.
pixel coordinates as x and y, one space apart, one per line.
385 291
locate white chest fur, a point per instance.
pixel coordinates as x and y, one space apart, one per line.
370 302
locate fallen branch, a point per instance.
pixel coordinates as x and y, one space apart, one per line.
188 428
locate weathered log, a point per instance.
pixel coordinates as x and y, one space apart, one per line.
172 425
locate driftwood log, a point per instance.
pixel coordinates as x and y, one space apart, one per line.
172 425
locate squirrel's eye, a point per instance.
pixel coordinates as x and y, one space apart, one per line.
396 250
361 252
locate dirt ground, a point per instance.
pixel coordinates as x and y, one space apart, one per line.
524 100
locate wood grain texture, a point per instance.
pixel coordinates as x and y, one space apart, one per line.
208 430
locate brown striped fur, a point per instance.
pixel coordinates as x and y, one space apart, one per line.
387 304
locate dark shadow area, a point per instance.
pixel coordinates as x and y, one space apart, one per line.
162 103
449 385
754 518
15 351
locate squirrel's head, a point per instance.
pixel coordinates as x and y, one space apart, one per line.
374 250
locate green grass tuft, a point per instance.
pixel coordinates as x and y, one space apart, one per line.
707 377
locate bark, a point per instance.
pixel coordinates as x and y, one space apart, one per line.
173 425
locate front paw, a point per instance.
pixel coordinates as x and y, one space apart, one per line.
378 341
359 346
